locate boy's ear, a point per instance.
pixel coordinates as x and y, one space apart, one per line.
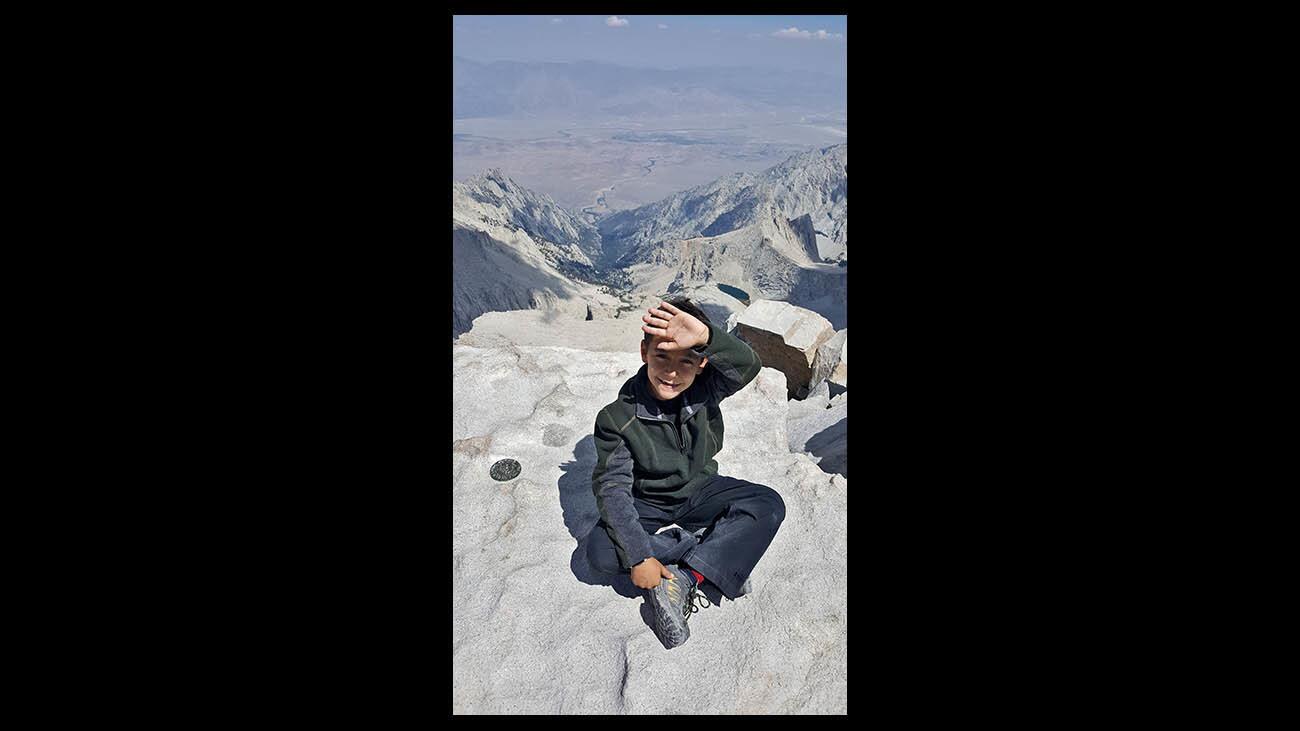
643 344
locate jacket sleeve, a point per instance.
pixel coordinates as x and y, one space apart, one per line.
611 481
733 362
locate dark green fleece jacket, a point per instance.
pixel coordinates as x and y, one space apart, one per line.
642 452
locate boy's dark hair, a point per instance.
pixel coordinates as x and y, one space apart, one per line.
685 305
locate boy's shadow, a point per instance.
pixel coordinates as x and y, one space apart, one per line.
581 515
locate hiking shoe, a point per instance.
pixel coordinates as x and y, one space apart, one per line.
673 602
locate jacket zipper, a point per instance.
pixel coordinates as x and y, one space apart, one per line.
681 441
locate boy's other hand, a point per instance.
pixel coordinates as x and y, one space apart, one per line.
678 330
647 574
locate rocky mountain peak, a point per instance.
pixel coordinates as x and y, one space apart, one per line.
813 183
496 186
493 198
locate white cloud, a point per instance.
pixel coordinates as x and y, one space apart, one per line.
614 21
821 35
662 26
557 20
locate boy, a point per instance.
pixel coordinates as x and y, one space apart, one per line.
654 467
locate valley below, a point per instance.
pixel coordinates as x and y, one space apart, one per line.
779 233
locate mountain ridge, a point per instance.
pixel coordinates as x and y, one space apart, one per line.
813 183
768 233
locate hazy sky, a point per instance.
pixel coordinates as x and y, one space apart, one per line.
804 42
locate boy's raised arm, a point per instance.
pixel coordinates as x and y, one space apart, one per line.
611 481
733 362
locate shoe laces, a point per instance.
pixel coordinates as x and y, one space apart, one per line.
695 601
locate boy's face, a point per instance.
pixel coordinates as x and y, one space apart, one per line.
671 372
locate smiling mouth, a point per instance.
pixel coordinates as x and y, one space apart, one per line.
666 384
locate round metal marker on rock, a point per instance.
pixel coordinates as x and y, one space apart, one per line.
505 469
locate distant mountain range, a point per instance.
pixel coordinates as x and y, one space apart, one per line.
780 234
509 88
813 184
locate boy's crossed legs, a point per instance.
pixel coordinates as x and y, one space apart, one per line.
741 520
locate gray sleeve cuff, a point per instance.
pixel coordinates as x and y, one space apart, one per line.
701 349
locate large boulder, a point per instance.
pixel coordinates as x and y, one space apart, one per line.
789 339
831 356
839 377
536 631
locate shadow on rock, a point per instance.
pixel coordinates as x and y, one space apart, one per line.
581 515
831 446
576 498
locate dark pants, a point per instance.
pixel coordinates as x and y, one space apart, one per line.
741 520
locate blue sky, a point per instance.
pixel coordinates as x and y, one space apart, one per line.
659 41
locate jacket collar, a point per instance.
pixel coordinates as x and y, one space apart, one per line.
648 407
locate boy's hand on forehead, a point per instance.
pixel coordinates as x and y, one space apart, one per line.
677 330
